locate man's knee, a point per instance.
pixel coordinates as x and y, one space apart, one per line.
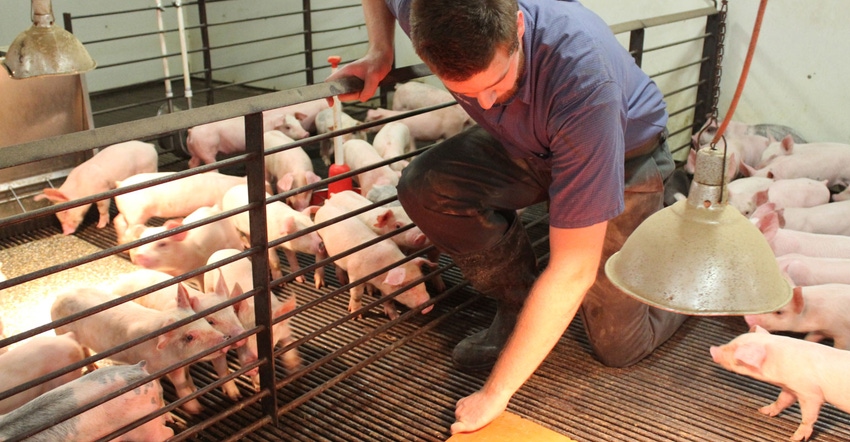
412 189
622 330
619 355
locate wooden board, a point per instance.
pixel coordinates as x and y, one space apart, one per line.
509 427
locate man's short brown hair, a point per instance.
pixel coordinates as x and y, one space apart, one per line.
458 38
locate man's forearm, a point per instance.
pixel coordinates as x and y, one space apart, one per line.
549 309
538 329
380 27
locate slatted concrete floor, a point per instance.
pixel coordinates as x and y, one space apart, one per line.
400 385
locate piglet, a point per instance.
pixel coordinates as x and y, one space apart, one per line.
770 131
325 124
828 163
805 371
224 320
100 174
282 220
392 141
416 94
96 422
289 169
187 250
388 219
829 218
785 241
128 321
359 156
746 194
168 200
821 311
34 358
429 126
806 270
238 274
740 150
787 146
204 142
305 112
382 220
346 234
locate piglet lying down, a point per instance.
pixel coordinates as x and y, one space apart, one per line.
807 372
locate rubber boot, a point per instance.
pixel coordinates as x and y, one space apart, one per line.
506 273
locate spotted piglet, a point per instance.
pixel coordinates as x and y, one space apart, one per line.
96 422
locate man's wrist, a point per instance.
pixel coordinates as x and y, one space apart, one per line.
496 393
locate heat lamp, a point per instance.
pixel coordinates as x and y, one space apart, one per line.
44 49
701 256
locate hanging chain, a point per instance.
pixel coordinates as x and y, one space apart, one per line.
718 68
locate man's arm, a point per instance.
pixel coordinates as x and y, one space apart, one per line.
549 309
378 61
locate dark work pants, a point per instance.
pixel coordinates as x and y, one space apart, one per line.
463 194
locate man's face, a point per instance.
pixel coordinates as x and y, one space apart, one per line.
494 85
500 80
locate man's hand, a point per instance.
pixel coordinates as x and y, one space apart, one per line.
372 68
477 410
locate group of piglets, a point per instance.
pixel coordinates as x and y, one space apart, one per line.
796 193
147 321
53 364
431 126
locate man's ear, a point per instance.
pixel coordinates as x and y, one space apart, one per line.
520 25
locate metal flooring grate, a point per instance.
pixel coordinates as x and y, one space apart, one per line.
400 386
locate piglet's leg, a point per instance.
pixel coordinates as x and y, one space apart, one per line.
389 309
785 400
229 388
809 409
274 264
184 386
103 210
355 302
293 264
319 275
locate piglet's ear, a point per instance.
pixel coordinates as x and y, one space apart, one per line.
797 301
395 277
751 354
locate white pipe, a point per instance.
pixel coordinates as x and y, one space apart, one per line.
181 28
338 152
339 159
169 93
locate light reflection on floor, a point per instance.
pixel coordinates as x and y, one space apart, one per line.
27 305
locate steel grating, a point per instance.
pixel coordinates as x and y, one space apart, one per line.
399 385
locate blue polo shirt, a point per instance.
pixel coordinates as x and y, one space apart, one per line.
581 104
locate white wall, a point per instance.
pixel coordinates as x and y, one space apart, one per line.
795 79
799 68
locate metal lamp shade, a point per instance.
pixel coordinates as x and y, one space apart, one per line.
701 256
44 49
